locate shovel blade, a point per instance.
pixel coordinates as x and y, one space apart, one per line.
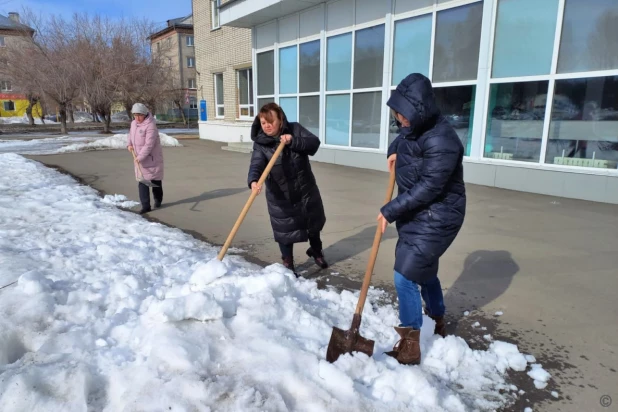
347 341
148 183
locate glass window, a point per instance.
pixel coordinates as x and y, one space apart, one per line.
584 123
3 44
366 120
457 106
6 86
290 107
412 47
245 93
369 57
339 62
9 106
266 73
191 84
309 70
458 36
264 101
192 103
525 35
309 109
287 70
190 41
190 61
214 12
589 36
515 121
338 120
219 105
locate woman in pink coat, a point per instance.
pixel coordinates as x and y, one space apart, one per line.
144 140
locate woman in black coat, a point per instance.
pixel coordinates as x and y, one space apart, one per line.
292 195
429 209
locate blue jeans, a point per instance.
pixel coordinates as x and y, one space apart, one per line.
410 306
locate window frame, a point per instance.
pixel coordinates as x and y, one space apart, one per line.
219 105
191 83
215 16
190 62
190 43
250 106
11 102
6 86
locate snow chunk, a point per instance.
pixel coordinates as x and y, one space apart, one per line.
206 273
33 282
540 376
509 353
120 201
499 313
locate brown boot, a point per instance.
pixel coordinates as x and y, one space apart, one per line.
440 328
408 350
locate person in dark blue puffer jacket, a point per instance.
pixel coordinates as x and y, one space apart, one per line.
429 209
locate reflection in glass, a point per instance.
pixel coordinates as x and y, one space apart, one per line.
369 57
339 62
287 70
584 123
515 121
310 67
457 106
458 36
290 107
589 39
310 113
243 87
411 47
266 73
525 32
338 120
366 119
263 101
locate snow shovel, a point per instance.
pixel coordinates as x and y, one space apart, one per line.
142 180
347 341
252 197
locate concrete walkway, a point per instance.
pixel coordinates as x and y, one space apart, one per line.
549 264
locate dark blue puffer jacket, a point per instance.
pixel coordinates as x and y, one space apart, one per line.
431 204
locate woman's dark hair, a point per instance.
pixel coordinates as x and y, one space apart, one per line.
266 112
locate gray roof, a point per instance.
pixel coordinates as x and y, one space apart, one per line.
8 24
186 20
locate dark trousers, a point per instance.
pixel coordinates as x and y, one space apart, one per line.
314 241
144 193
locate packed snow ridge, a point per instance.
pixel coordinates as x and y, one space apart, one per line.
111 312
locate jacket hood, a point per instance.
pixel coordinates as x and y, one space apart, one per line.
147 121
259 136
415 100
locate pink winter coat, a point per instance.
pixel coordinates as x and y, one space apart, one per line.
145 140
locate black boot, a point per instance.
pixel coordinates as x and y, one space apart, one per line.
145 210
288 262
318 258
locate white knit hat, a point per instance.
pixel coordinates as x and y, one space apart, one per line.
139 108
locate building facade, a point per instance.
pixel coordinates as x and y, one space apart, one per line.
13 101
530 86
175 45
224 75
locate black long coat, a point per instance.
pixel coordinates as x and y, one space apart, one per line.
292 195
431 203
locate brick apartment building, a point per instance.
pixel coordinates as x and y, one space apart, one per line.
224 75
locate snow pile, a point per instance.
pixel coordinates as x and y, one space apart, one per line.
117 141
120 201
69 144
112 312
23 120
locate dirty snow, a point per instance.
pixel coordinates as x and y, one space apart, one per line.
112 312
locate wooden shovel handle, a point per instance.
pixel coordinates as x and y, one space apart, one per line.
245 209
374 249
138 165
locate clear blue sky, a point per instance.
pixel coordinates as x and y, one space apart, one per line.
155 10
